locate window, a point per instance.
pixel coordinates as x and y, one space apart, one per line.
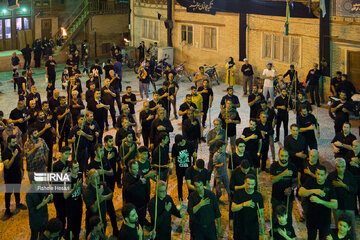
18 24
1 31
187 34
282 48
150 29
209 38
26 23
7 28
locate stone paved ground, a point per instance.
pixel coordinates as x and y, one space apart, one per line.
17 226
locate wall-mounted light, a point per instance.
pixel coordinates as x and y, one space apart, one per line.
24 10
4 11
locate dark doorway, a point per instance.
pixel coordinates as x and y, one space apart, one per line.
46 28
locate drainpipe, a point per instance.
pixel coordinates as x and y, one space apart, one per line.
169 23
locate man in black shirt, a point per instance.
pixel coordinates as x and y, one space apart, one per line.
80 137
208 97
13 171
281 228
95 190
20 117
76 105
321 198
54 101
186 106
203 209
240 155
63 116
111 155
115 82
108 95
302 102
50 70
135 190
107 68
237 179
159 125
160 157
230 95
342 110
165 209
73 202
334 83
127 150
312 81
248 74
353 164
99 108
308 124
21 82
89 94
197 170
165 98
146 118
155 103
192 129
284 180
181 153
345 189
342 142
282 104
95 130
295 145
247 206
266 130
253 141
96 70
254 100
346 86
130 99
130 229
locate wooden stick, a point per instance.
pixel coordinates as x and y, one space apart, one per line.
156 189
271 223
182 220
98 202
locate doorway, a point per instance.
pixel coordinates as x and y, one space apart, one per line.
46 27
354 68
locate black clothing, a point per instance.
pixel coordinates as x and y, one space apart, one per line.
107 69
306 177
182 156
238 178
347 87
231 127
234 99
290 232
340 116
300 105
346 199
335 83
304 122
282 115
51 71
206 96
184 107
247 215
38 218
192 131
235 160
96 70
99 115
252 145
294 146
128 233
334 235
279 187
154 132
16 114
191 173
132 98
146 125
344 140
247 73
20 81
313 79
163 223
254 109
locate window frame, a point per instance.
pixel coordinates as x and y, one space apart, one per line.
1 29
187 34
9 19
202 39
148 36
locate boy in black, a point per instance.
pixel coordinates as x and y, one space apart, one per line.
308 124
321 198
130 229
342 110
13 170
208 96
247 206
267 131
253 141
21 82
238 156
282 104
127 150
343 230
181 153
282 230
199 171
160 157
130 99
284 180
73 202
111 155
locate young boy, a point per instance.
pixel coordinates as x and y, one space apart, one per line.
221 175
343 230
282 230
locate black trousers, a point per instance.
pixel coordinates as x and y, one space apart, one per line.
146 136
111 212
314 94
204 232
73 221
312 229
60 207
282 118
113 116
27 62
205 110
264 153
180 180
9 190
37 61
64 135
117 99
51 78
82 158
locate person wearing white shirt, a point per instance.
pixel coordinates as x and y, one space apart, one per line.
269 75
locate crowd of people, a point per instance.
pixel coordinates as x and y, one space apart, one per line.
69 134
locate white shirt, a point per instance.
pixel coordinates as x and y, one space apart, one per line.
268 73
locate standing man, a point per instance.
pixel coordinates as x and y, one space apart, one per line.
215 135
146 118
26 52
248 206
342 109
130 99
115 83
208 97
15 61
321 198
13 172
248 74
200 77
334 83
50 72
282 104
254 101
63 116
268 88
159 125
253 141
312 82
284 180
187 105
130 228
20 116
160 157
342 142
203 209
165 209
230 96
353 164
108 95
308 127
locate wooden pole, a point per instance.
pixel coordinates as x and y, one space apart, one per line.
271 223
182 220
156 189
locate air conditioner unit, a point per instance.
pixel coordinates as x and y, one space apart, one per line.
166 53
